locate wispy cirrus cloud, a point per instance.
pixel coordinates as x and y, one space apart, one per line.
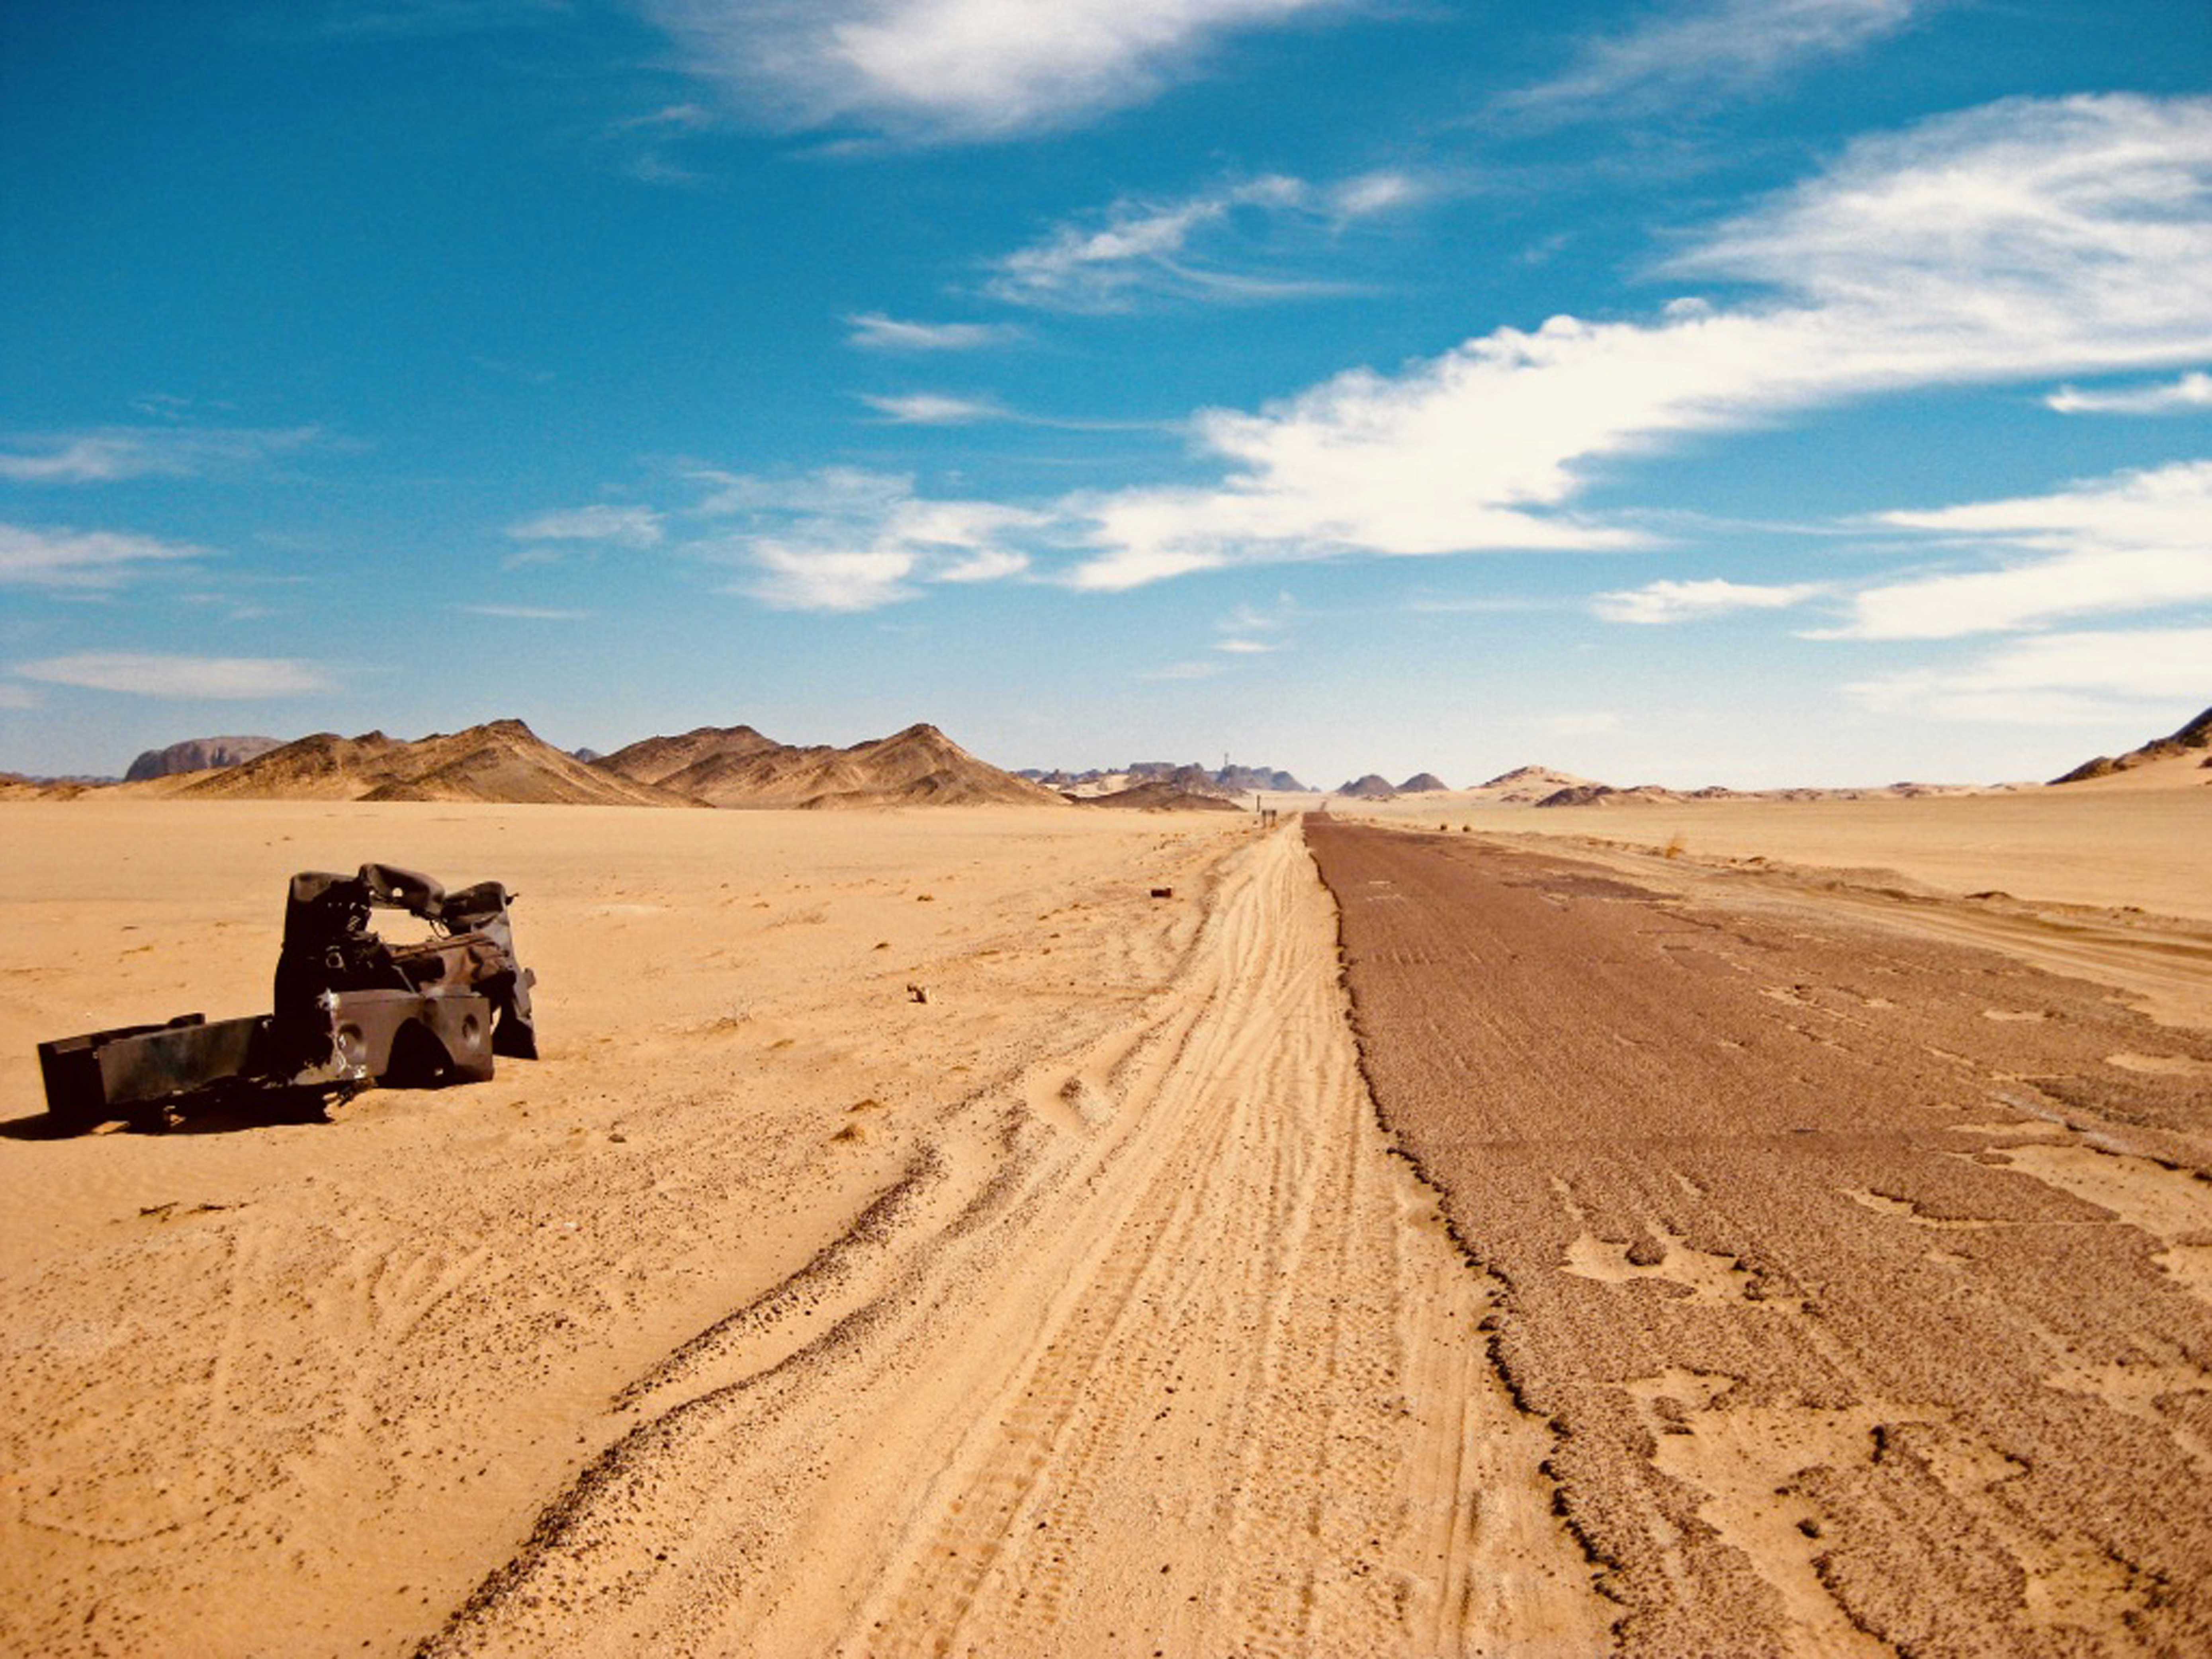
150 674
2048 679
524 612
1663 602
1704 48
873 332
110 454
619 526
934 408
34 556
1188 248
846 539
1253 630
2191 392
955 70
2135 542
2017 241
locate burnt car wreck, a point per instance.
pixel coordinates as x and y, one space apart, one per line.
349 1010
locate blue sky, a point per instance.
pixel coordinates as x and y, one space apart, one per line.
1798 391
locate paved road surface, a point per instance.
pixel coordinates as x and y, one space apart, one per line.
1862 1281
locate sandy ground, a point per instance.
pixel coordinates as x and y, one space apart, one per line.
1081 1307
2109 843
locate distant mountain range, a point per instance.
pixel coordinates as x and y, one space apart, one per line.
736 766
1188 777
715 766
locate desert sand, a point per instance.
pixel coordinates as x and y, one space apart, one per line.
918 1237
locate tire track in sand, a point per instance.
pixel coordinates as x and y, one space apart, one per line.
1192 1366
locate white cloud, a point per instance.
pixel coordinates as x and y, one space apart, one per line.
1692 601
842 540
624 526
152 675
1719 45
953 68
111 454
2017 241
1136 247
524 612
2056 677
84 559
2131 543
2192 392
934 408
873 332
1252 631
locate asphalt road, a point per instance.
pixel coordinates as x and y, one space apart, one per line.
1864 1283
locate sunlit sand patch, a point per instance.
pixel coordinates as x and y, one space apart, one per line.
1746 1461
2068 1580
2022 1015
2161 1065
2032 1126
1905 1210
2174 1206
2073 1582
1707 1277
2136 1389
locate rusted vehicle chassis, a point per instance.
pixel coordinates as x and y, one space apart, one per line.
350 1010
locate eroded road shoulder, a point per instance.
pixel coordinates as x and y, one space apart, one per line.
1865 1277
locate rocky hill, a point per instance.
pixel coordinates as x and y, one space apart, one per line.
1373 786
1422 783
1159 795
736 766
699 755
503 760
2193 738
197 755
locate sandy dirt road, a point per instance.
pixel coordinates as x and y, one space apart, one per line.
1866 1279
1155 1350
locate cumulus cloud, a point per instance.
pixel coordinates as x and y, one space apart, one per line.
2022 239
31 556
1728 46
2076 676
2190 392
1692 601
108 454
2135 542
873 332
844 539
1136 247
954 69
157 675
621 526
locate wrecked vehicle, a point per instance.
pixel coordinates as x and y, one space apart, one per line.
350 1010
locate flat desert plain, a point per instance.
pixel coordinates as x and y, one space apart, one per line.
918 1237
